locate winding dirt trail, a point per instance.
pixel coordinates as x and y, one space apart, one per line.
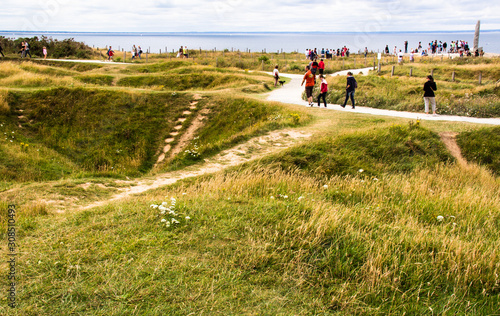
253 149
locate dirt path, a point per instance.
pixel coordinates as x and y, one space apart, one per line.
449 139
251 150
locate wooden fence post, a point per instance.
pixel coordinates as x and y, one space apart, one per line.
480 77
453 76
411 72
392 72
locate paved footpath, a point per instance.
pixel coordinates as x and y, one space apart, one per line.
292 93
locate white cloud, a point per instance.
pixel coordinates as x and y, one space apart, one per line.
247 16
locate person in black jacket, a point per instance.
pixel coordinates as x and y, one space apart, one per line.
350 88
429 88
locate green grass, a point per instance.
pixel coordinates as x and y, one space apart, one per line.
178 82
369 153
357 247
100 130
346 223
231 121
482 147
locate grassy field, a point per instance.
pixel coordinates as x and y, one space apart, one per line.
369 216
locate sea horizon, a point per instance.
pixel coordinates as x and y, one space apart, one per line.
267 41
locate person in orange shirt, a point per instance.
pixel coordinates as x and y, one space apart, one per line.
309 79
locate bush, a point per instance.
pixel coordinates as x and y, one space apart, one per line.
56 49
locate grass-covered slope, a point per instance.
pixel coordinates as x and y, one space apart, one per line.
269 241
482 147
98 129
373 152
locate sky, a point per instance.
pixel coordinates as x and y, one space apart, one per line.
248 15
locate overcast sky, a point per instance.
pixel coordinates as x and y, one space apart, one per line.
248 15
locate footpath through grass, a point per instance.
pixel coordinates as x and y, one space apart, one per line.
372 216
274 240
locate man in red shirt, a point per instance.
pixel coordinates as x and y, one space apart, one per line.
309 79
321 67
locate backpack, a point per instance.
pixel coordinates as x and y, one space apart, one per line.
355 84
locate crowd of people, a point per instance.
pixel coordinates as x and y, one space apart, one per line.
327 53
436 47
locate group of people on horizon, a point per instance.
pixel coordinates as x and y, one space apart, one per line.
327 53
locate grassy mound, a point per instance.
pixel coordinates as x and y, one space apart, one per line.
230 121
186 82
99 130
482 147
371 153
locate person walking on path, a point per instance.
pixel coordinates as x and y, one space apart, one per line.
276 75
429 96
110 53
323 90
139 51
27 49
309 79
350 88
321 66
134 52
44 52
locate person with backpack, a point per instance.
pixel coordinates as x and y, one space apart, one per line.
27 49
110 53
351 86
323 90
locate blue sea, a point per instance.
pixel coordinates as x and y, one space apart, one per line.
270 42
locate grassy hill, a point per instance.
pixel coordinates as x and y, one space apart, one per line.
369 216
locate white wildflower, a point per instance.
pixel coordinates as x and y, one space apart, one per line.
162 208
360 170
325 186
440 218
163 220
153 206
188 218
174 221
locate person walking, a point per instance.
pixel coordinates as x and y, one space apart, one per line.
350 88
309 79
429 96
44 52
27 49
323 90
400 57
110 53
321 66
276 75
134 52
